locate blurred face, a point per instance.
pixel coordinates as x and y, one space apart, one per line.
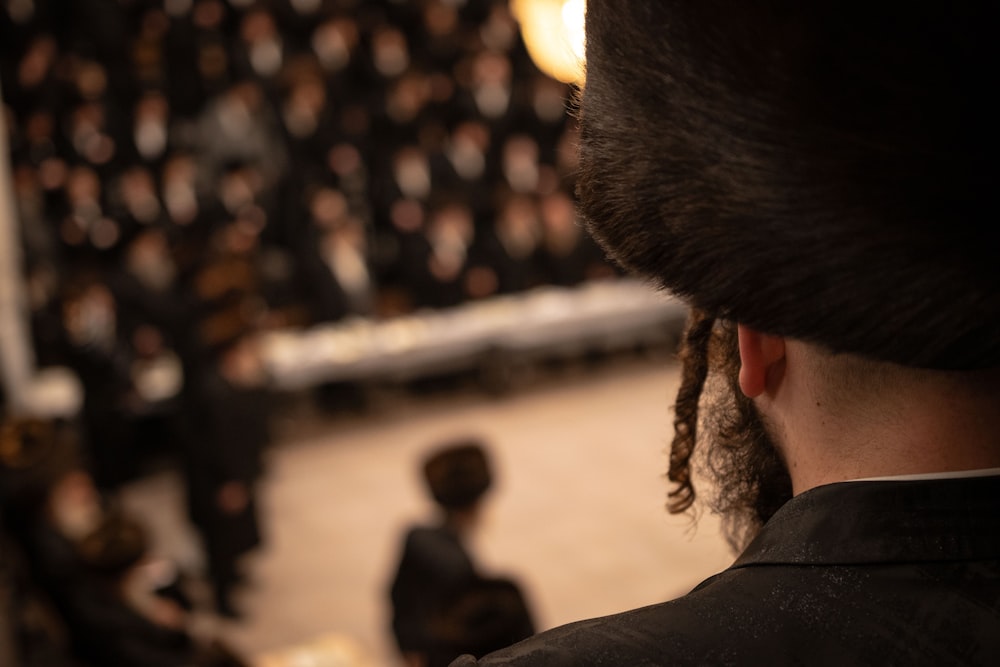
242 364
150 128
263 43
179 195
439 18
407 215
412 173
328 207
138 191
90 318
333 43
74 505
408 97
500 29
149 259
37 62
390 52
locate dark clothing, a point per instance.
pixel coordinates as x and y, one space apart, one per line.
107 415
106 631
442 606
228 432
486 616
30 630
857 573
433 568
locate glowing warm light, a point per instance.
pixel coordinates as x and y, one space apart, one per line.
553 32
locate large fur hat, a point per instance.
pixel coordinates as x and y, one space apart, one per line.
819 170
458 473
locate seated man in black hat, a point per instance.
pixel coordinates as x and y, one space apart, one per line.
442 606
816 179
120 614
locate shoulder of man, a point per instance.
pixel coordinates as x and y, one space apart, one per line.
947 613
667 633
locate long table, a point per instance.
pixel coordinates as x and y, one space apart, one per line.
545 322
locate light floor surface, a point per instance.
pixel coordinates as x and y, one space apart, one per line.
577 514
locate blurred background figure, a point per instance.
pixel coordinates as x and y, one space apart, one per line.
225 432
125 610
92 591
45 500
442 604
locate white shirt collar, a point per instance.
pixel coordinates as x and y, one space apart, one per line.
957 474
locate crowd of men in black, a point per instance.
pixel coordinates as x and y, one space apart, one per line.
81 584
189 172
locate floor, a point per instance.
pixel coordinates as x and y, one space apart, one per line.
577 514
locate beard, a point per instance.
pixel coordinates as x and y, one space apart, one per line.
736 450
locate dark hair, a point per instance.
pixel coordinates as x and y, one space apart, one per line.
728 437
458 473
822 170
751 480
693 355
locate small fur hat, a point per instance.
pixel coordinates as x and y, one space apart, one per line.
824 171
118 543
458 473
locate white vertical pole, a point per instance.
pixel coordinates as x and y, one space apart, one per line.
16 354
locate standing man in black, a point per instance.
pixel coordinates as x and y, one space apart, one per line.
817 180
222 454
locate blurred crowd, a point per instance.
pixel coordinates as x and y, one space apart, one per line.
80 582
188 173
186 168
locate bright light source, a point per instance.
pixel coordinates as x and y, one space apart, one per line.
573 15
553 32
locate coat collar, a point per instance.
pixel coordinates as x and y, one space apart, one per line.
881 522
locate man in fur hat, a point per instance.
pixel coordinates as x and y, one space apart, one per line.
816 179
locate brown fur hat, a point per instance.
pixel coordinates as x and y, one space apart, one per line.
118 543
819 170
458 473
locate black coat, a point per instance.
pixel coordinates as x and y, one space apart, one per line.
857 573
433 567
443 607
105 631
227 432
108 414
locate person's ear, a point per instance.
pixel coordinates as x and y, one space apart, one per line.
762 358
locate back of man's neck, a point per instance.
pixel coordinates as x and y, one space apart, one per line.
914 435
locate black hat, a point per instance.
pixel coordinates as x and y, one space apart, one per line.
118 543
458 473
34 454
822 171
